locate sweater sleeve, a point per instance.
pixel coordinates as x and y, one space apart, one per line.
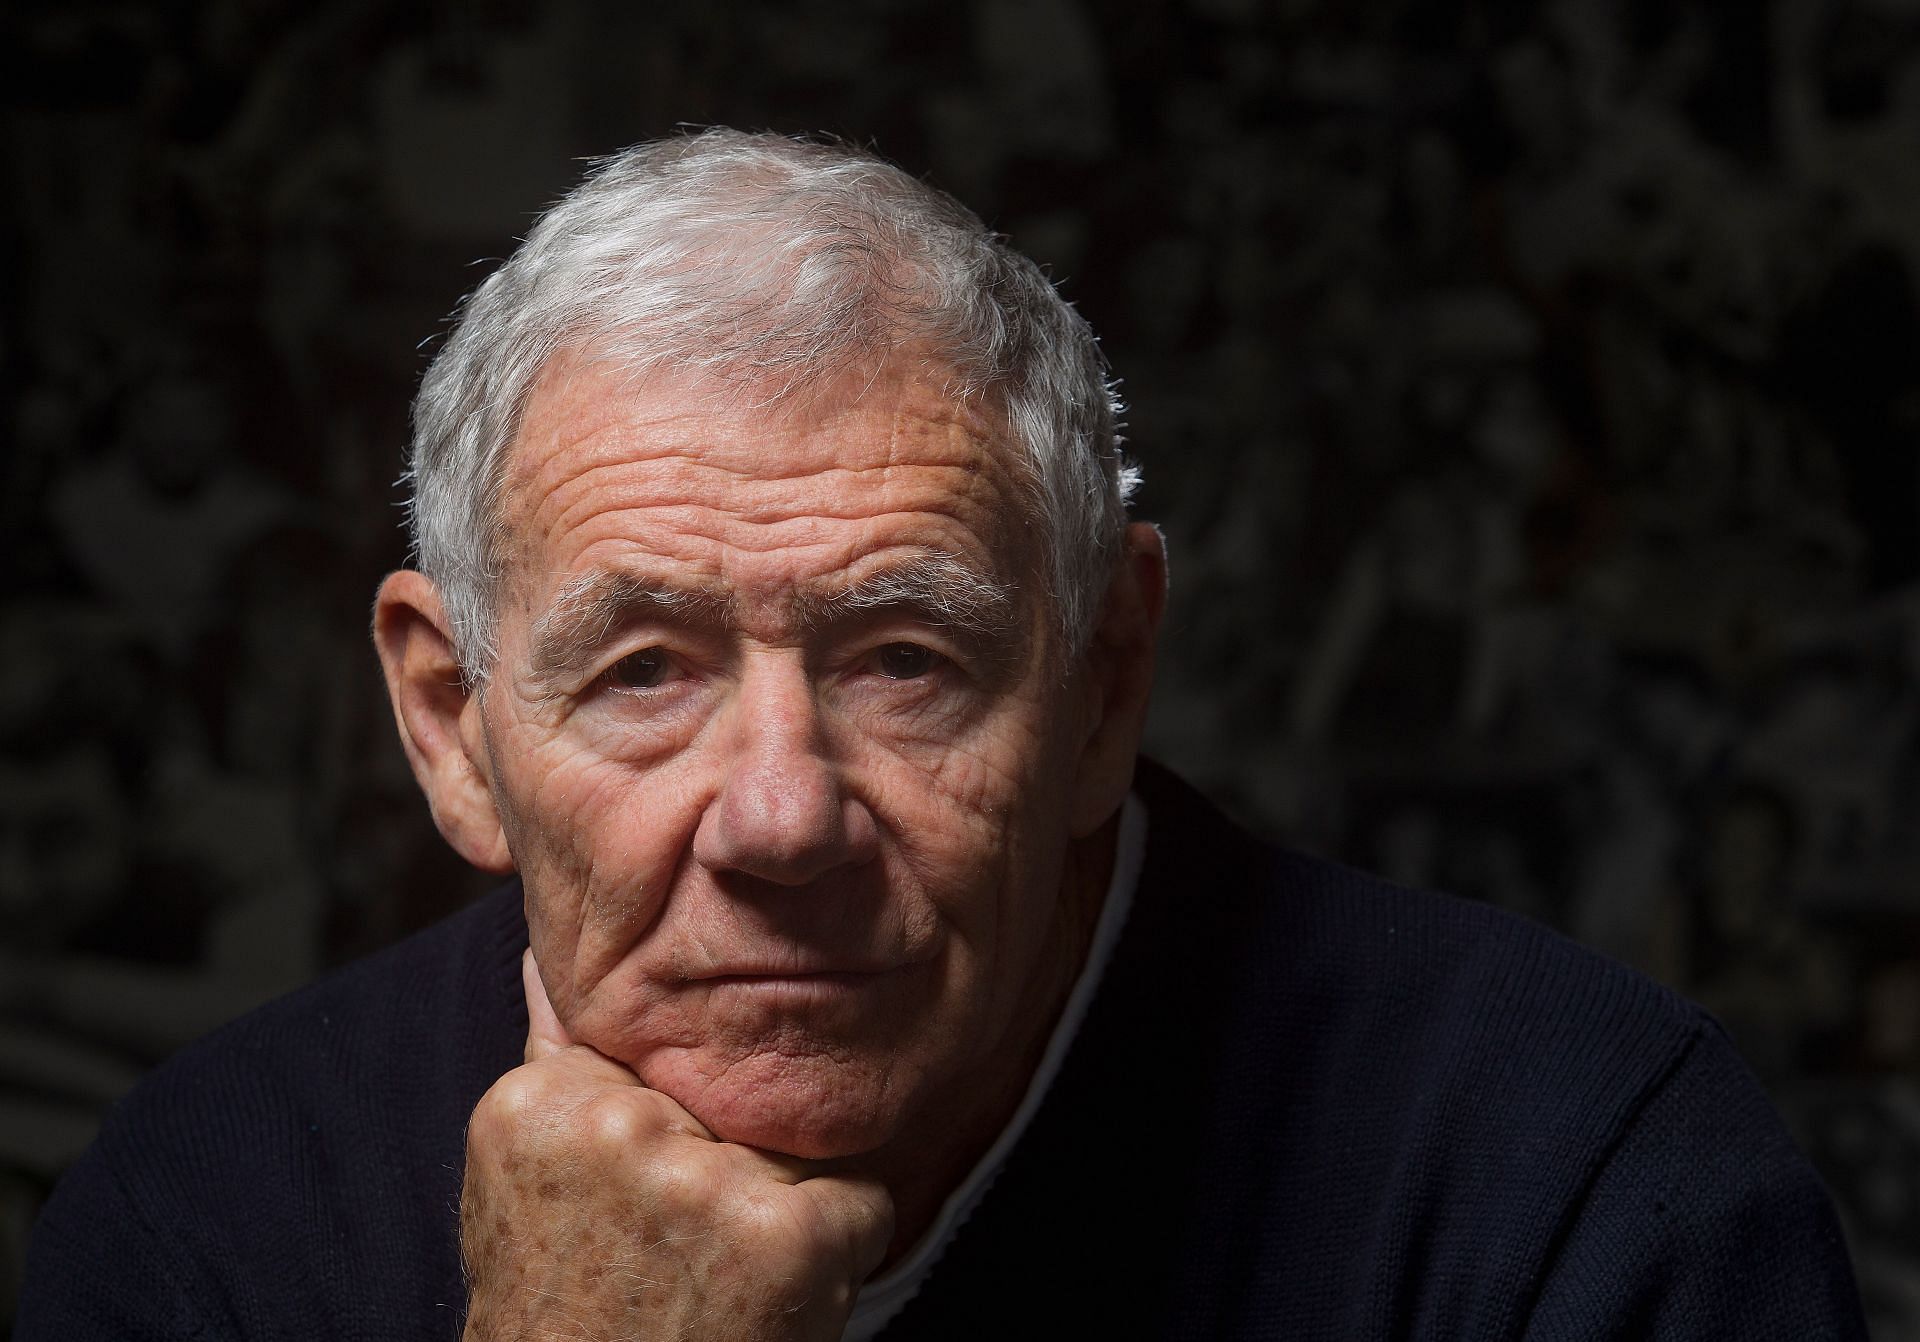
1704 1223
96 1269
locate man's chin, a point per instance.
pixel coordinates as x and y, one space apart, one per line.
814 1108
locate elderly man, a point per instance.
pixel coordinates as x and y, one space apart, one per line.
780 628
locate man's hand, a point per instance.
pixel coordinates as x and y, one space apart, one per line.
595 1207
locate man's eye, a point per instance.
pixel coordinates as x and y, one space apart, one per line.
643 670
904 661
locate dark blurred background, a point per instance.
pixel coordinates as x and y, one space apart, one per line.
1531 393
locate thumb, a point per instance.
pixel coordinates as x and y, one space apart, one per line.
545 1034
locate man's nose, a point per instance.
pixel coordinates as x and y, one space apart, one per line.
783 813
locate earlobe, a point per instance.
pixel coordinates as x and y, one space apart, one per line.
1120 669
433 709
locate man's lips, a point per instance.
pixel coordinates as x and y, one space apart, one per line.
798 988
827 977
795 962
753 973
848 971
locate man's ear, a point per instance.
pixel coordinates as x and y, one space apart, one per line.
438 717
1119 666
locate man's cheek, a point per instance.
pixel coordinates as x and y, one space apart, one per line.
980 770
530 779
597 839
572 790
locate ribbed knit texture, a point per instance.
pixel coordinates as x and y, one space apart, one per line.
1306 1104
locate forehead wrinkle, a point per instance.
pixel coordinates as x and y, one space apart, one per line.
675 472
690 487
689 452
948 517
581 394
737 444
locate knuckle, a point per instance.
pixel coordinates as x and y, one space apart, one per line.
875 1216
849 1222
760 1215
501 1117
788 1232
515 1095
688 1186
615 1119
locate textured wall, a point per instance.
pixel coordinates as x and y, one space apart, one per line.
1528 391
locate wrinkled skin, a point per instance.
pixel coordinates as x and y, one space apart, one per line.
807 878
588 1194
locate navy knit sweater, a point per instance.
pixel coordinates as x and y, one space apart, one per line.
1305 1104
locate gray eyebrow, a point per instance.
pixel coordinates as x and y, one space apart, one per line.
587 611
937 588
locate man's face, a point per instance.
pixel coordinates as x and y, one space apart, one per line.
783 744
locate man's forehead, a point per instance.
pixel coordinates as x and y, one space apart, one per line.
586 405
697 488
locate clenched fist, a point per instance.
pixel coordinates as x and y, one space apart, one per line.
595 1207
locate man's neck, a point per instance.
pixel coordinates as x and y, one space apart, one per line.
924 1167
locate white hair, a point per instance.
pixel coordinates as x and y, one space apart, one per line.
779 261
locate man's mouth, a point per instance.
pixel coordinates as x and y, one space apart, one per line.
805 989
826 977
793 960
